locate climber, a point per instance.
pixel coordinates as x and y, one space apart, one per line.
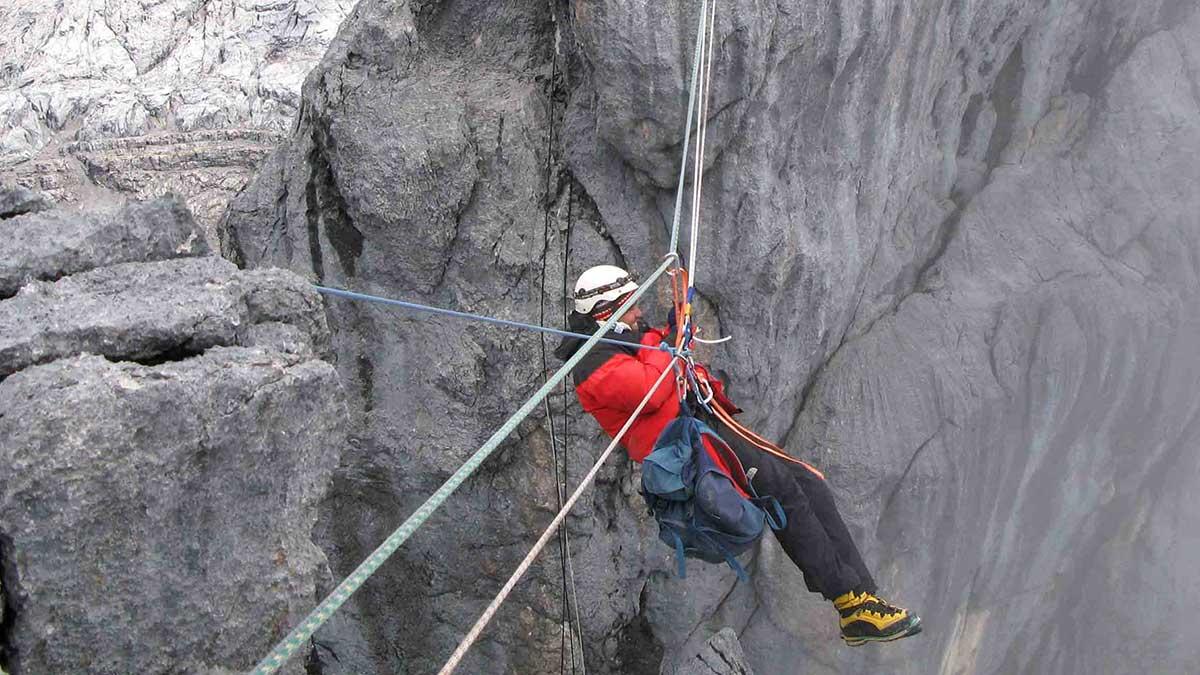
611 381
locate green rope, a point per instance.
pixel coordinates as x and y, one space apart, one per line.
301 633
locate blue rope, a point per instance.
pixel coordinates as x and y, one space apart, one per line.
351 295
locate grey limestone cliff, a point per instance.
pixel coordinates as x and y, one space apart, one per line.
956 244
167 427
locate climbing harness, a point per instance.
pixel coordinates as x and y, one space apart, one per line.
681 290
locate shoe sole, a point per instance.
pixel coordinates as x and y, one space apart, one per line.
909 632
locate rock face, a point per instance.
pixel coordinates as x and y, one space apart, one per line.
722 655
99 103
47 321
418 171
167 427
17 200
956 244
58 243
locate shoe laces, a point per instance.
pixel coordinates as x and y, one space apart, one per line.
851 601
880 607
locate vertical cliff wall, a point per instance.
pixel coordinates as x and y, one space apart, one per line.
956 244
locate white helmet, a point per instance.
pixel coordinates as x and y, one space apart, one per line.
600 289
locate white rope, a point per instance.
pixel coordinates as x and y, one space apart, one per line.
718 341
701 134
687 131
473 635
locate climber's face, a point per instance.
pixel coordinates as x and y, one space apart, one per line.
632 316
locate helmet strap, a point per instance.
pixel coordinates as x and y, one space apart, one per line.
606 309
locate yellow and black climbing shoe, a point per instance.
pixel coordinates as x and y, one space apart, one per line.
866 618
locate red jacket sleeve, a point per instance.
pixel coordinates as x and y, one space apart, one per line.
627 379
653 336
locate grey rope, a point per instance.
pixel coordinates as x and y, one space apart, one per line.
364 297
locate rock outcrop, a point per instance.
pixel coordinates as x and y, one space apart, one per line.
134 99
58 243
136 312
722 655
167 426
956 244
17 200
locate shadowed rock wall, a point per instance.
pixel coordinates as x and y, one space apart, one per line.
956 244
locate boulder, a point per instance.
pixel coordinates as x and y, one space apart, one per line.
49 245
168 428
15 200
722 655
151 311
158 518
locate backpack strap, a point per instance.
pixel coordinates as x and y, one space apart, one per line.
736 471
776 518
681 560
729 559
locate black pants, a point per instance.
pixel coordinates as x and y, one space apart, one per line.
815 537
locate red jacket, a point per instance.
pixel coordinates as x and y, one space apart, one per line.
612 380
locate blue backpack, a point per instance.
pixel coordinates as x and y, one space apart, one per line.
699 511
